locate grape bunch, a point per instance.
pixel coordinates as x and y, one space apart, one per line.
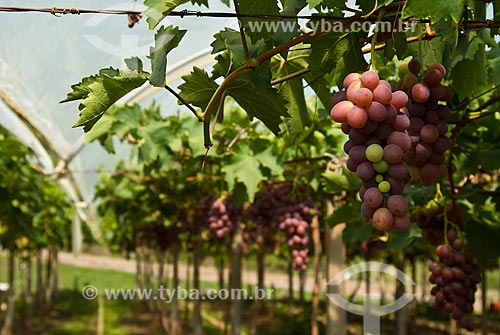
428 117
279 206
372 247
455 277
294 221
431 220
377 122
222 214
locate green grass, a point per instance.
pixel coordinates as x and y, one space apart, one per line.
71 314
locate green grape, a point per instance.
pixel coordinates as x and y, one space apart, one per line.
384 186
379 178
374 152
403 70
381 166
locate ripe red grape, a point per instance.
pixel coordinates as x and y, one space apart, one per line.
382 219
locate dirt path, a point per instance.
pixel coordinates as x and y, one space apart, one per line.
207 273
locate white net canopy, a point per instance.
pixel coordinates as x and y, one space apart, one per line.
42 55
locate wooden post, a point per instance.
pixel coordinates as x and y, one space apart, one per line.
336 316
318 251
197 320
175 303
401 315
236 251
9 316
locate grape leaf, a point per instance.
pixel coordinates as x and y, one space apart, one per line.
158 9
467 47
100 92
336 182
228 41
334 4
200 2
356 233
293 92
256 28
166 39
347 212
269 109
245 167
434 9
336 54
290 7
494 61
402 240
198 88
468 74
314 3
134 64
153 143
100 132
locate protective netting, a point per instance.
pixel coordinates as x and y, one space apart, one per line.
42 55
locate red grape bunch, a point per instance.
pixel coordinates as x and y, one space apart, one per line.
294 220
428 117
280 206
376 120
455 277
431 222
222 215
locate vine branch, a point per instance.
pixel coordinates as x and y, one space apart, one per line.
290 76
242 31
181 99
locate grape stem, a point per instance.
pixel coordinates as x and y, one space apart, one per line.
181 99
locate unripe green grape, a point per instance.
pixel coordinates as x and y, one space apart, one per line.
379 178
384 186
403 70
374 152
381 166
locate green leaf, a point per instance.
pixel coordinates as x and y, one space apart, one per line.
158 9
357 233
337 182
166 39
269 109
80 90
134 64
403 240
228 41
290 7
198 88
100 132
127 119
347 212
293 92
469 73
494 62
255 28
244 167
434 9
154 140
314 3
100 92
339 55
263 152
